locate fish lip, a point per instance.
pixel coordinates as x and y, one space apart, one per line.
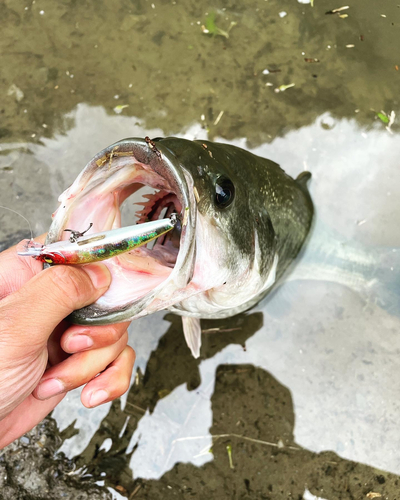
164 162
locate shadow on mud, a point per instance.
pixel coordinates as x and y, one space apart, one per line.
254 454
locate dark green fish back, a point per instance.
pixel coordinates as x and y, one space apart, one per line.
286 201
267 200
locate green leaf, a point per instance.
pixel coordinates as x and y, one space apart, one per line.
282 88
210 27
210 23
118 109
229 450
383 118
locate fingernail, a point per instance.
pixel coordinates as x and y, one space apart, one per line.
49 388
98 397
78 343
99 274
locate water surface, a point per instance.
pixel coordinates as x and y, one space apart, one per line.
304 388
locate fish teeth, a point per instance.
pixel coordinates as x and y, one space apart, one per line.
141 215
155 196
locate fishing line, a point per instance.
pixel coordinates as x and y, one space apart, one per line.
29 224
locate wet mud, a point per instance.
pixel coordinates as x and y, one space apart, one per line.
31 468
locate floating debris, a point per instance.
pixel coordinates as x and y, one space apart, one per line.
373 494
282 88
214 330
229 450
387 119
210 28
118 109
335 11
13 90
392 118
383 117
350 46
282 14
338 12
135 491
311 60
396 68
217 120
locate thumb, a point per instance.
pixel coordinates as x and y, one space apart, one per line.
44 301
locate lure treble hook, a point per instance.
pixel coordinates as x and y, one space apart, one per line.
75 235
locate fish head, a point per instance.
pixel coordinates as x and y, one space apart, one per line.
222 252
235 245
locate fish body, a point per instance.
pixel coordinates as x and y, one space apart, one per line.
243 221
370 271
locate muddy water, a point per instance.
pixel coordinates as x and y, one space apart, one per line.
298 398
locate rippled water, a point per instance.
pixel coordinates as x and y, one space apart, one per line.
304 388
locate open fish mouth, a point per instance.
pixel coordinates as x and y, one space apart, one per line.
145 279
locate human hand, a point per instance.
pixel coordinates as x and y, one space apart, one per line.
42 355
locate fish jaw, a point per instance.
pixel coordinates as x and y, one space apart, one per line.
223 289
96 196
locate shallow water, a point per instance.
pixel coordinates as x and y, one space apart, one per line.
304 388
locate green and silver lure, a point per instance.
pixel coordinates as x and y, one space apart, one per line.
83 249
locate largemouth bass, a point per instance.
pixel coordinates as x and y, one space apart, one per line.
243 221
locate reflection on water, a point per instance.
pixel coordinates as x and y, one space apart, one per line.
304 387
329 333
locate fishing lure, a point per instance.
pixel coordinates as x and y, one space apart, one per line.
81 249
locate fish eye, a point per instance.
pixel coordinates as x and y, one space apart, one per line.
48 260
224 192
